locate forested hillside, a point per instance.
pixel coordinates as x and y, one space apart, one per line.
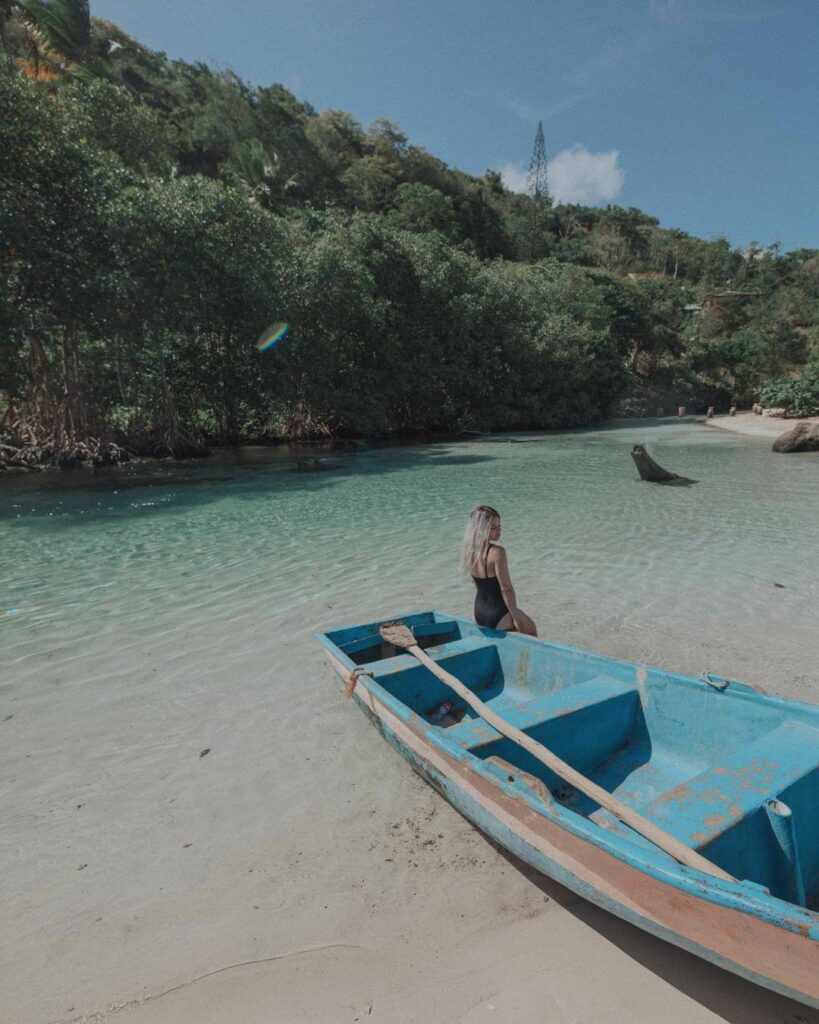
156 216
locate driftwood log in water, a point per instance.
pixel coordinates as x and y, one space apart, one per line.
651 471
315 465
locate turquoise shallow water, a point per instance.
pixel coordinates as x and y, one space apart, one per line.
683 576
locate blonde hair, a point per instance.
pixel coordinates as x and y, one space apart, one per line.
475 545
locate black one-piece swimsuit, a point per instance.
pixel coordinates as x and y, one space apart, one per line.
490 606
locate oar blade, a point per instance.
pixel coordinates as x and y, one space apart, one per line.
398 634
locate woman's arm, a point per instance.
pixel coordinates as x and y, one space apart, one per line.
507 590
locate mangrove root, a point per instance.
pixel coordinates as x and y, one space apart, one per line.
38 455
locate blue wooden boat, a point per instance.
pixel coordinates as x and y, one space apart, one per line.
727 770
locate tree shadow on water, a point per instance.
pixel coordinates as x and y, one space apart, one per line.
733 998
69 498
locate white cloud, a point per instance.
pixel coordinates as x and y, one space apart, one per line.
513 178
575 176
578 176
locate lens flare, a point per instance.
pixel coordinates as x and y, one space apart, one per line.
269 337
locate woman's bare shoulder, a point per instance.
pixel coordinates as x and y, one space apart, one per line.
497 553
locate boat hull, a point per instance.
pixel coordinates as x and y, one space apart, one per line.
783 959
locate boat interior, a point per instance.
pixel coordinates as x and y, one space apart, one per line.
731 773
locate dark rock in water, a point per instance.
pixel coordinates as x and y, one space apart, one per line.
804 437
203 752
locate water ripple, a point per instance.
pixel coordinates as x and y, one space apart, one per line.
599 558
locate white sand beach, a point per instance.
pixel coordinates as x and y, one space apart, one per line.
757 426
197 827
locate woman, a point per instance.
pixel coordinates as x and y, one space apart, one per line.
495 603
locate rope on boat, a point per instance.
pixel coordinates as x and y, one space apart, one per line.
716 681
352 679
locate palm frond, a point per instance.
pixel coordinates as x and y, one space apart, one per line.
62 28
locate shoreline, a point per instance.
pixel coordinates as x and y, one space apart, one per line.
309 447
751 425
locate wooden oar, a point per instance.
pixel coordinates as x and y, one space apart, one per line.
400 635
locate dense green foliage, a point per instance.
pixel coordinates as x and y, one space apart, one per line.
156 216
800 395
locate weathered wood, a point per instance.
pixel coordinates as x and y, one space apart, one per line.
804 437
532 782
651 470
399 634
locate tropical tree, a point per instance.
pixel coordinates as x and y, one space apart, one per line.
419 207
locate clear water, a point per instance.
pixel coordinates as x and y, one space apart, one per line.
681 576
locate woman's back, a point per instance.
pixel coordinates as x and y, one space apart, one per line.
490 606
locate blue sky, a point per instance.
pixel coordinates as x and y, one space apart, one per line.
704 113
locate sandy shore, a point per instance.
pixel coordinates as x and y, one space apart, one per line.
757 426
297 873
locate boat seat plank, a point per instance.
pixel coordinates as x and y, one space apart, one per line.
524 714
440 653
472 659
707 805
